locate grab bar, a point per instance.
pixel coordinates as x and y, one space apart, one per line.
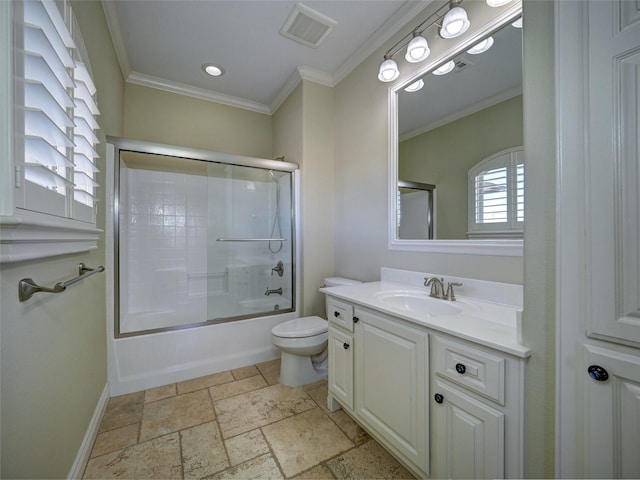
251 239
27 287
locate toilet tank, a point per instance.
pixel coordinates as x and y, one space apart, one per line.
338 281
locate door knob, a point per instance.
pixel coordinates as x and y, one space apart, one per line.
345 346
460 368
356 319
336 314
598 373
438 398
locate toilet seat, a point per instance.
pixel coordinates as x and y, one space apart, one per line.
301 327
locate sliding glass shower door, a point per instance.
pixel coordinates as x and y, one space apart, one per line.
201 242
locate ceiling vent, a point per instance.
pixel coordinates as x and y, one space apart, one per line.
306 26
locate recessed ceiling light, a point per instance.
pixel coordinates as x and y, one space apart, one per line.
213 70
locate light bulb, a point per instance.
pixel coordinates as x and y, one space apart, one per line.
415 86
388 71
446 68
497 3
417 50
455 23
481 47
517 23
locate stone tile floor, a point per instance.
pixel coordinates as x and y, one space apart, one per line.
236 424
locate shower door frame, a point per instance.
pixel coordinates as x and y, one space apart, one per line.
188 153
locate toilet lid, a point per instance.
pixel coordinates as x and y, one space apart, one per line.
301 327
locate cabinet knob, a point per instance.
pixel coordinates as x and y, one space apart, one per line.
460 368
438 398
336 314
598 373
356 319
345 346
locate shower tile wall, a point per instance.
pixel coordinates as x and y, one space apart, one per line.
166 242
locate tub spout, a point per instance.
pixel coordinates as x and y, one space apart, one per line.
275 290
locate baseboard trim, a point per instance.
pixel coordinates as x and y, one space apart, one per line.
82 458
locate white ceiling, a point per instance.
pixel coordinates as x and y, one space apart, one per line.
164 43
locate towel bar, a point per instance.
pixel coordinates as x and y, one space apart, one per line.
27 287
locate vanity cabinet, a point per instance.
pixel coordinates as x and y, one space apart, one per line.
444 406
378 373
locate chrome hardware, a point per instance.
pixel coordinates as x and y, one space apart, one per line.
356 319
279 269
598 373
345 346
450 295
460 368
27 287
276 290
438 398
437 286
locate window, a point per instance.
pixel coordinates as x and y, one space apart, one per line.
55 113
496 195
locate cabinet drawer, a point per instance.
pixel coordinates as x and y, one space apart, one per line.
475 369
340 313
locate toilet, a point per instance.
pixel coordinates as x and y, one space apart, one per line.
303 343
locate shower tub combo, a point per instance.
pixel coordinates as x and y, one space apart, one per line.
203 261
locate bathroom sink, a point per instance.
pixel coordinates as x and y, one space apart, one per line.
418 303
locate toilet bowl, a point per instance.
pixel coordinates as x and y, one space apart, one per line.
299 340
303 343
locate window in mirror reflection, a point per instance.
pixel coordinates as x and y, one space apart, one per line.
496 193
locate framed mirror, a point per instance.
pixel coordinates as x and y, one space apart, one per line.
444 132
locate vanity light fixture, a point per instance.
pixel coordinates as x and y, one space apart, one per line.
497 3
418 49
213 70
388 70
446 68
415 86
481 47
452 21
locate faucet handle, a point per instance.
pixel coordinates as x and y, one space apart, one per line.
450 295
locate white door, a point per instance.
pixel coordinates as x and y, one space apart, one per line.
341 367
391 384
467 435
598 228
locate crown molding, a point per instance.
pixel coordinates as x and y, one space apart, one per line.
195 92
391 27
111 16
476 107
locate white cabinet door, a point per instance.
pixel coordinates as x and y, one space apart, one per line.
391 382
341 367
467 436
612 414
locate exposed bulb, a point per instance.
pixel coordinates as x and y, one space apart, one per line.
388 71
446 68
417 50
481 47
415 86
455 23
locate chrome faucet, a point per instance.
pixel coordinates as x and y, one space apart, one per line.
275 290
437 286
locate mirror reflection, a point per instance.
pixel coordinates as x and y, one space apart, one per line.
462 134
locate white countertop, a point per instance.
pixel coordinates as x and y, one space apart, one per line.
487 323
